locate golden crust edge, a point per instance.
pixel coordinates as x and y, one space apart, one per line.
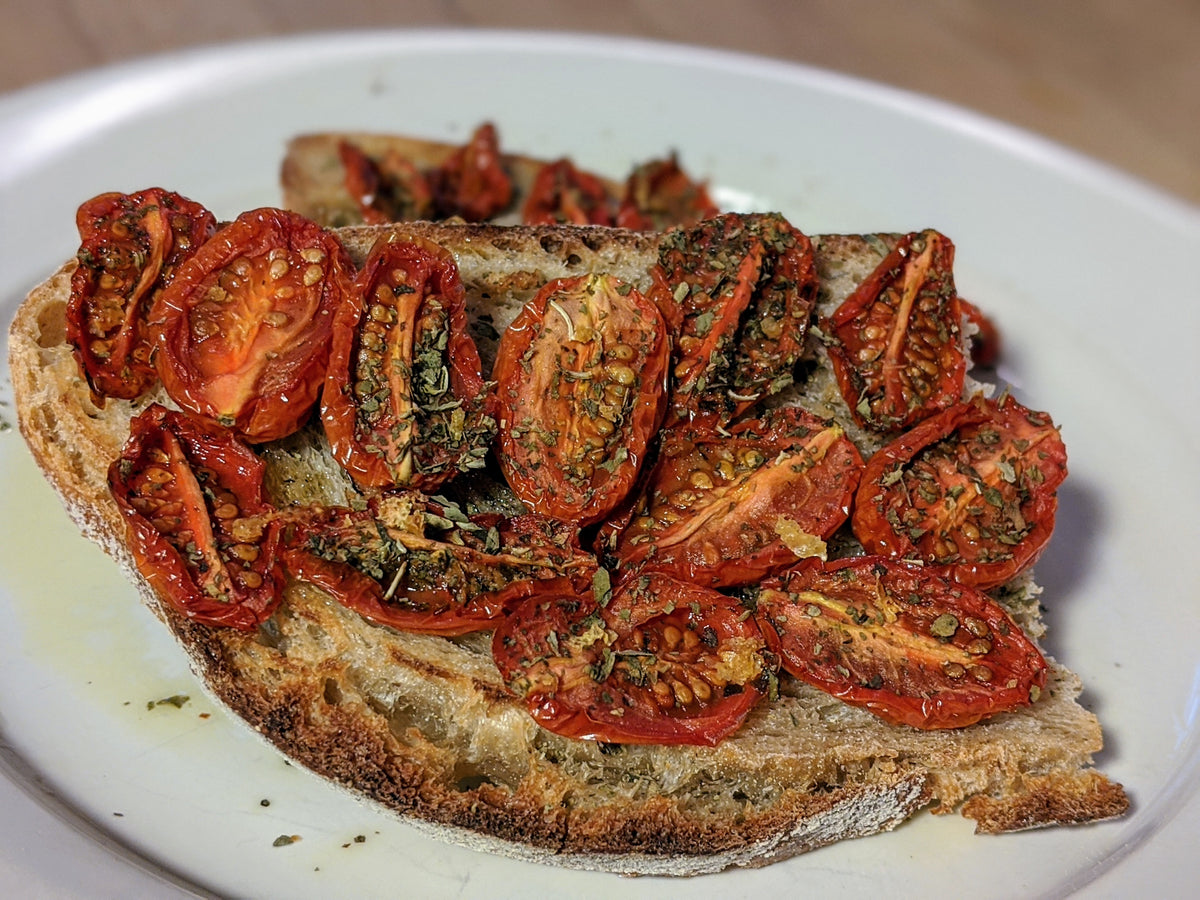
1051 800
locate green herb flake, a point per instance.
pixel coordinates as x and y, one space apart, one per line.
175 700
602 587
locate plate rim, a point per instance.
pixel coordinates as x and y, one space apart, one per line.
1096 175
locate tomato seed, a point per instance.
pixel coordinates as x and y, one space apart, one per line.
663 695
622 352
312 275
278 268
683 694
155 475
244 552
979 647
982 674
976 627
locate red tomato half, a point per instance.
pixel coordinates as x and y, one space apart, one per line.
580 378
972 489
659 194
897 350
909 645
392 574
404 401
563 193
131 245
473 183
738 291
662 662
200 531
244 328
728 509
391 189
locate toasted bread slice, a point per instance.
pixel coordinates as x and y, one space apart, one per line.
424 726
313 179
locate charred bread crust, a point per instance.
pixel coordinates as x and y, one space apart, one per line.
423 726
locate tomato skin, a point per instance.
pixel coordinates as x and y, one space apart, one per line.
738 291
199 528
395 576
384 361
244 328
130 247
971 489
391 189
725 509
581 378
907 644
659 194
562 193
896 346
661 662
473 182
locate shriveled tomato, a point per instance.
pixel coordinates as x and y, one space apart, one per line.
972 489
580 391
895 343
244 328
473 182
200 530
738 290
404 401
985 342
659 194
562 193
391 189
911 646
661 662
130 247
460 577
724 509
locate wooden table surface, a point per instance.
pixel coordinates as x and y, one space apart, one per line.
1118 80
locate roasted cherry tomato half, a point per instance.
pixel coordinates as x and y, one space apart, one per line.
738 291
244 328
972 489
404 401
911 646
985 342
462 576
662 662
130 247
563 193
391 189
723 509
659 194
473 183
580 377
896 343
200 531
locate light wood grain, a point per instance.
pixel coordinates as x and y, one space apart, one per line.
1115 79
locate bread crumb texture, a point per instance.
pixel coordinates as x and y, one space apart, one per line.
423 725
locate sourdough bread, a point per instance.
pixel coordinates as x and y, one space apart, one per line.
424 726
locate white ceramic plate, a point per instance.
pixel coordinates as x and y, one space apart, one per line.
1089 274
